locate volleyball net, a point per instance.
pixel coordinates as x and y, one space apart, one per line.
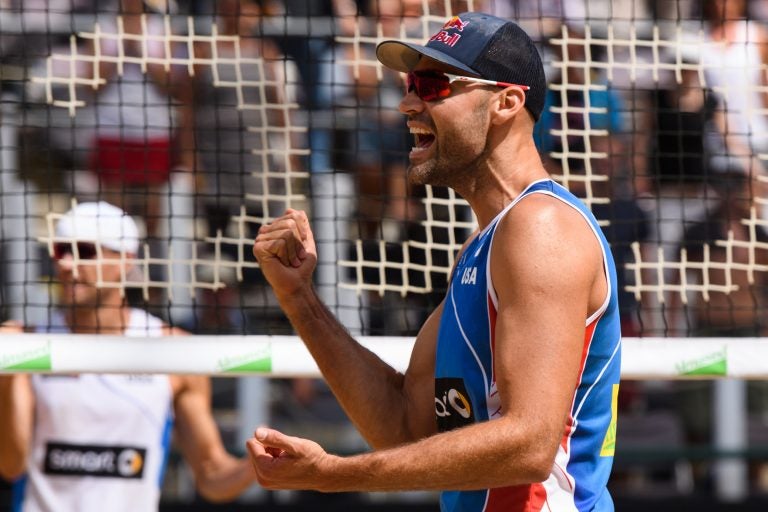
206 119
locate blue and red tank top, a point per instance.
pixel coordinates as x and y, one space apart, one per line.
465 386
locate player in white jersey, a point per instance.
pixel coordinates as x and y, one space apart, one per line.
97 442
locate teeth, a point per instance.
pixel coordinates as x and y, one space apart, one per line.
415 149
419 131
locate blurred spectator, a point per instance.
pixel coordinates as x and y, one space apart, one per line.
377 138
243 158
580 100
678 121
53 143
308 50
678 131
241 101
734 63
140 134
544 18
738 313
373 146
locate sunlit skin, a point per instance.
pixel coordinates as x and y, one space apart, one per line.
83 300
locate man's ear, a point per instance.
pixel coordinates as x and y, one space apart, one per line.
510 102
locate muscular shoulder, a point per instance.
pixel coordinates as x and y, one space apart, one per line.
541 239
545 219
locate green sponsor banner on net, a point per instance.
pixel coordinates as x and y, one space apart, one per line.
710 365
32 359
250 362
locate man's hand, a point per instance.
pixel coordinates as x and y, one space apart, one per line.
285 250
284 462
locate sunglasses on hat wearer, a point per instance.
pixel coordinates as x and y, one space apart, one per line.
432 85
83 250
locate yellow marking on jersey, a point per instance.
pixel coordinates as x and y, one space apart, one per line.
609 442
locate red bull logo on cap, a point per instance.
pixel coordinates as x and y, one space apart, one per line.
455 23
448 38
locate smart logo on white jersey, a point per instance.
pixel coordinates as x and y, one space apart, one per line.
94 460
469 276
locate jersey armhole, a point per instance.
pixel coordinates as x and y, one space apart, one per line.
606 272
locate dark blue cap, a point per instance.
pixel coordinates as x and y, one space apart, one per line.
479 45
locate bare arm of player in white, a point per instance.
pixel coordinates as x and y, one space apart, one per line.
17 411
387 407
539 338
218 475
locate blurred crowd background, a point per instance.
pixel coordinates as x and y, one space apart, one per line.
279 103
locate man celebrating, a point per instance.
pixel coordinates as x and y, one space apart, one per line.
100 442
509 400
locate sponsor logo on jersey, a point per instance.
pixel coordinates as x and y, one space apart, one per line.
94 460
452 406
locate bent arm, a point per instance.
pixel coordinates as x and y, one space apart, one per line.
540 334
404 408
218 475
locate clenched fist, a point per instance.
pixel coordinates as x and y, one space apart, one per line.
285 250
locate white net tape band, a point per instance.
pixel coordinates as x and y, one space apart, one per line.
286 356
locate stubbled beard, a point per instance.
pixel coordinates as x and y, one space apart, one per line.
427 173
450 169
458 153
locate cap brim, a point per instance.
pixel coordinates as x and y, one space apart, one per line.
403 57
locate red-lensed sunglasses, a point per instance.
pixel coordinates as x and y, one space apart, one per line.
85 250
433 85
